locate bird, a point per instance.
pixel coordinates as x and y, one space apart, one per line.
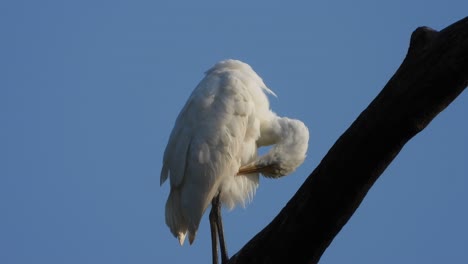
212 158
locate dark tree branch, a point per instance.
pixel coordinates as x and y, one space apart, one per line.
433 74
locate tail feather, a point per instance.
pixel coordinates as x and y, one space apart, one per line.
174 218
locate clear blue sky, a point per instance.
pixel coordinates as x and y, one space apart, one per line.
89 92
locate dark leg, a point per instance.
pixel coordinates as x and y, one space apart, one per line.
216 210
214 234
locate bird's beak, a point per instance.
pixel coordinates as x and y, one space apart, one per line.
269 171
253 168
249 168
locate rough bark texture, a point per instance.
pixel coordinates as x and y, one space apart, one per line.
433 74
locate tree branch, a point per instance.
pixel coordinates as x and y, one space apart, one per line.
433 74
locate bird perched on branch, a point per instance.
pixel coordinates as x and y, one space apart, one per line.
211 156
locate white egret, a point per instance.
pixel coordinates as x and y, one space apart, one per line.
211 156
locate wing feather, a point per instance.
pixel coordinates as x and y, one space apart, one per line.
214 134
205 146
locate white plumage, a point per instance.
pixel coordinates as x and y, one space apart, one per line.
213 146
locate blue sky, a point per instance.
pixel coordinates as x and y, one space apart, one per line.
89 92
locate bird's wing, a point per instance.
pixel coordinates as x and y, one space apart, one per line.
205 145
212 125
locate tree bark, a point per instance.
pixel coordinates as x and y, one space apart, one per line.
433 74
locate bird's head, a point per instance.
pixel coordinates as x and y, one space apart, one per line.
286 155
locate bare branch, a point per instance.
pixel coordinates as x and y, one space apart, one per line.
433 74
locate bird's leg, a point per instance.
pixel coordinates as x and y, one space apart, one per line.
214 233
216 206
